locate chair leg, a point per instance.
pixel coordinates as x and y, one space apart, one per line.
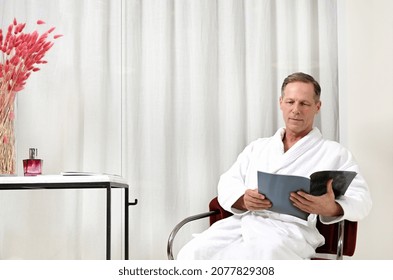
340 243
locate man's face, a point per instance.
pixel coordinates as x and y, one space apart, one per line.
299 107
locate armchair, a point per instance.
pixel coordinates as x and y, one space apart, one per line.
340 238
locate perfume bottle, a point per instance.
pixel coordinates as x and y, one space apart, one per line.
32 166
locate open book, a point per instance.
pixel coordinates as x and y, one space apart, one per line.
277 188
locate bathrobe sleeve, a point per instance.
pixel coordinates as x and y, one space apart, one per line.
231 185
356 202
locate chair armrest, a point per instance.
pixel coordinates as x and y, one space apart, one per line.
220 214
180 225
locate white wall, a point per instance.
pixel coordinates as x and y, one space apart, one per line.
366 75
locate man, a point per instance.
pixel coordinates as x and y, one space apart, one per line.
254 232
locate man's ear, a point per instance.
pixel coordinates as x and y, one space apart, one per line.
280 101
319 104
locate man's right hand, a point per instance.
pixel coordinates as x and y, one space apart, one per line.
252 200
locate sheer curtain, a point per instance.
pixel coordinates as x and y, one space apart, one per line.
202 80
165 93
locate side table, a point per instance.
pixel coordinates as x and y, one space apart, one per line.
78 181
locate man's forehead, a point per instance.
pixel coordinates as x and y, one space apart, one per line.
299 90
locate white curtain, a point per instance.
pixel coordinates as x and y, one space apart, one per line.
202 80
166 93
70 111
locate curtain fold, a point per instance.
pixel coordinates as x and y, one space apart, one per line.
165 93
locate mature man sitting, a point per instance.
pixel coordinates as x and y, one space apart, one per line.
255 232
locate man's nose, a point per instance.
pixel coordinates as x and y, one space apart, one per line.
295 109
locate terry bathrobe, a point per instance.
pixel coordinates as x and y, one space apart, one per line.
265 234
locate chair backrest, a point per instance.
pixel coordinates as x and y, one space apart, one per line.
330 232
221 213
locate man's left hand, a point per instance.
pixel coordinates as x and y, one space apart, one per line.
324 205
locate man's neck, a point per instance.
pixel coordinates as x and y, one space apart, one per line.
290 138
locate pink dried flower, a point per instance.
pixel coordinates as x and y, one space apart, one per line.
20 52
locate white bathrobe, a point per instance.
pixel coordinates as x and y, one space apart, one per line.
269 235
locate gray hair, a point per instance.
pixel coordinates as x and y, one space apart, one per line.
304 78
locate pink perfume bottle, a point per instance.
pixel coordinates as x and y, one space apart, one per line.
32 166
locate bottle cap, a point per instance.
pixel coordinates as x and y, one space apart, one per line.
33 153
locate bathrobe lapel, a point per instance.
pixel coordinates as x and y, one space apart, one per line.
280 160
